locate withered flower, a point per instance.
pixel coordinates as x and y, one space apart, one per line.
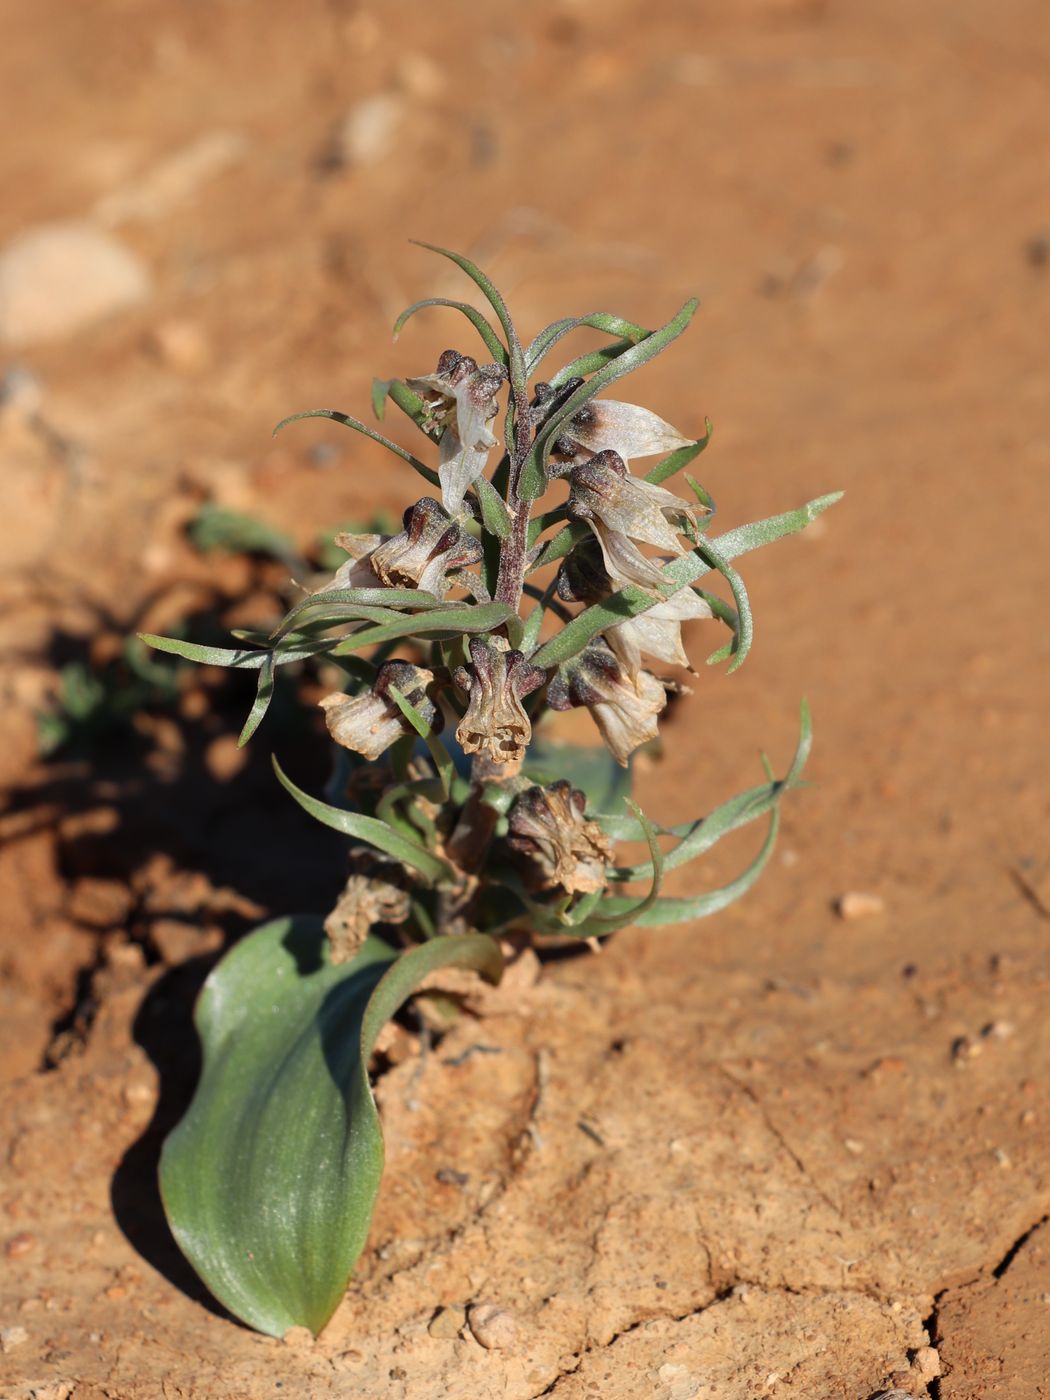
625 428
624 710
460 400
375 893
565 850
496 682
430 553
657 632
603 490
370 722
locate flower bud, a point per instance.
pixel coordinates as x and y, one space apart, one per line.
370 722
495 683
625 711
564 849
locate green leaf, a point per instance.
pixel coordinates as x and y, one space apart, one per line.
263 696
560 544
455 618
516 360
446 769
738 812
494 513
681 458
368 829
270 1179
745 629
609 918
359 427
534 475
589 767
225 656
493 344
355 604
630 335
630 601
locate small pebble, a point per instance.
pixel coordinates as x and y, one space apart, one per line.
964 1049
57 279
368 131
298 1337
998 1030
855 904
493 1327
11 1337
447 1323
19 1245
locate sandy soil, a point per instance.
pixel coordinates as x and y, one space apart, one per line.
778 1154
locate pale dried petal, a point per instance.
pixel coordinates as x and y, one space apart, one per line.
366 900
625 428
657 632
459 467
624 708
461 400
370 722
628 717
624 560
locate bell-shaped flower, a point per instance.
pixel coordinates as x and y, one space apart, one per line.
603 490
430 553
496 682
625 428
370 722
624 710
460 400
657 632
564 850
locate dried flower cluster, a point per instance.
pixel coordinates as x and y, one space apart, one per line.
487 612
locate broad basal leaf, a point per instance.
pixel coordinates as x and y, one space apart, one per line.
270 1180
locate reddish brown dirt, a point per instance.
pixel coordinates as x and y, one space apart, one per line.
776 1154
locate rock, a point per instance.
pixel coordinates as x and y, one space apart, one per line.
11 1337
20 1245
854 904
174 180
180 345
367 133
492 1326
447 1323
59 278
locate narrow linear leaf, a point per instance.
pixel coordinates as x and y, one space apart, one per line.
494 513
681 458
368 829
269 1181
348 422
263 696
515 359
484 328
745 630
629 333
560 544
738 812
686 569
608 919
534 475
225 656
683 911
446 769
482 617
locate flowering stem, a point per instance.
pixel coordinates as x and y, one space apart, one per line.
513 560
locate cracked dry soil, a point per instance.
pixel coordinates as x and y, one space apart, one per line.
778 1154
